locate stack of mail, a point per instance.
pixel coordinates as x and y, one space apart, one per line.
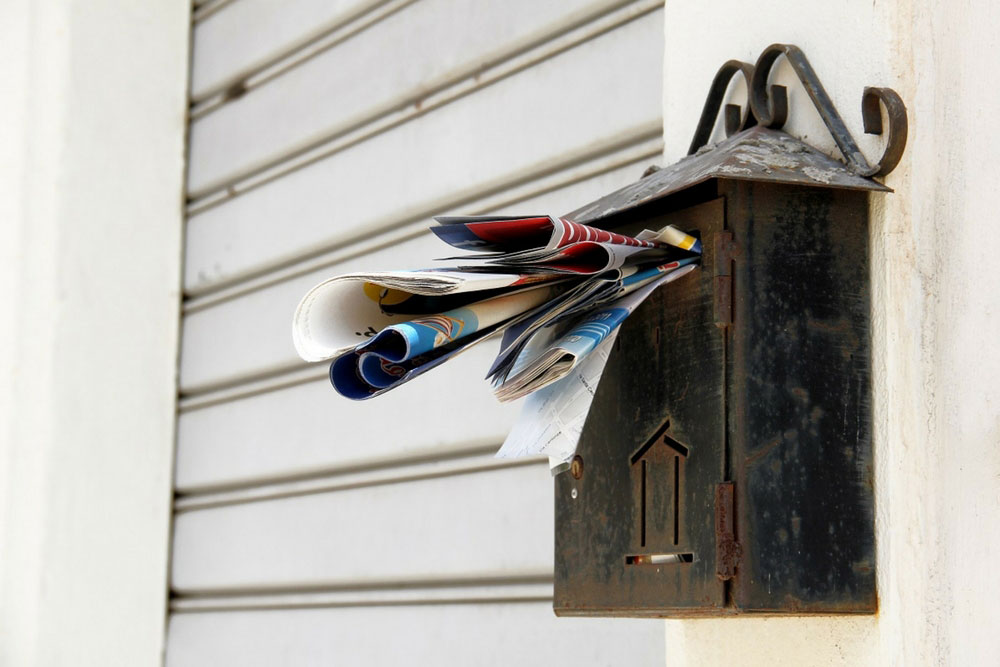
552 290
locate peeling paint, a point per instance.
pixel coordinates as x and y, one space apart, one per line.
818 175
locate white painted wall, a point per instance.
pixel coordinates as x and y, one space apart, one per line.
935 313
91 166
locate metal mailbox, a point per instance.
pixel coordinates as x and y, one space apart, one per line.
726 464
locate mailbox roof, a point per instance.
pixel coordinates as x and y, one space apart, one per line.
756 154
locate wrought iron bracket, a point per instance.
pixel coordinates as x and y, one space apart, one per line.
735 118
768 106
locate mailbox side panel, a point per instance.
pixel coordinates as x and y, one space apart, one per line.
800 399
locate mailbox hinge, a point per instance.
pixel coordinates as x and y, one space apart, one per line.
727 549
724 250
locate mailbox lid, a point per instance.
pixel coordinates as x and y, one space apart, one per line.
755 154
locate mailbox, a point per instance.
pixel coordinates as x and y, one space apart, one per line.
726 464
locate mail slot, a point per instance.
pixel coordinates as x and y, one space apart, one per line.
726 464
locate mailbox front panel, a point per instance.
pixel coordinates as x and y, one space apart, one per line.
635 533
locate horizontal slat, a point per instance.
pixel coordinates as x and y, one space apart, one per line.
500 635
497 591
604 88
262 384
474 458
308 429
249 336
244 35
482 525
407 56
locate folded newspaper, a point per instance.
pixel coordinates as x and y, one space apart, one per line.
553 291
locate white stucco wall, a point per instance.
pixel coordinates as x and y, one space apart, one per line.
936 312
91 166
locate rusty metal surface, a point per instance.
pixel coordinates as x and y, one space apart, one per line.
735 118
757 154
770 107
635 535
770 103
898 126
727 549
725 251
800 399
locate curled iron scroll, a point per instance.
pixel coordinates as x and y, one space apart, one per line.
768 105
895 112
736 119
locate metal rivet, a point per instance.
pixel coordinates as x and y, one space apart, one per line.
572 494
576 467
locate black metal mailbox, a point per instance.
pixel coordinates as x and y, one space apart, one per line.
726 465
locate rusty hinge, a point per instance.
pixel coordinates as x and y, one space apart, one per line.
727 549
724 250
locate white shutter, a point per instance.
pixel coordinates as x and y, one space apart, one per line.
324 135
